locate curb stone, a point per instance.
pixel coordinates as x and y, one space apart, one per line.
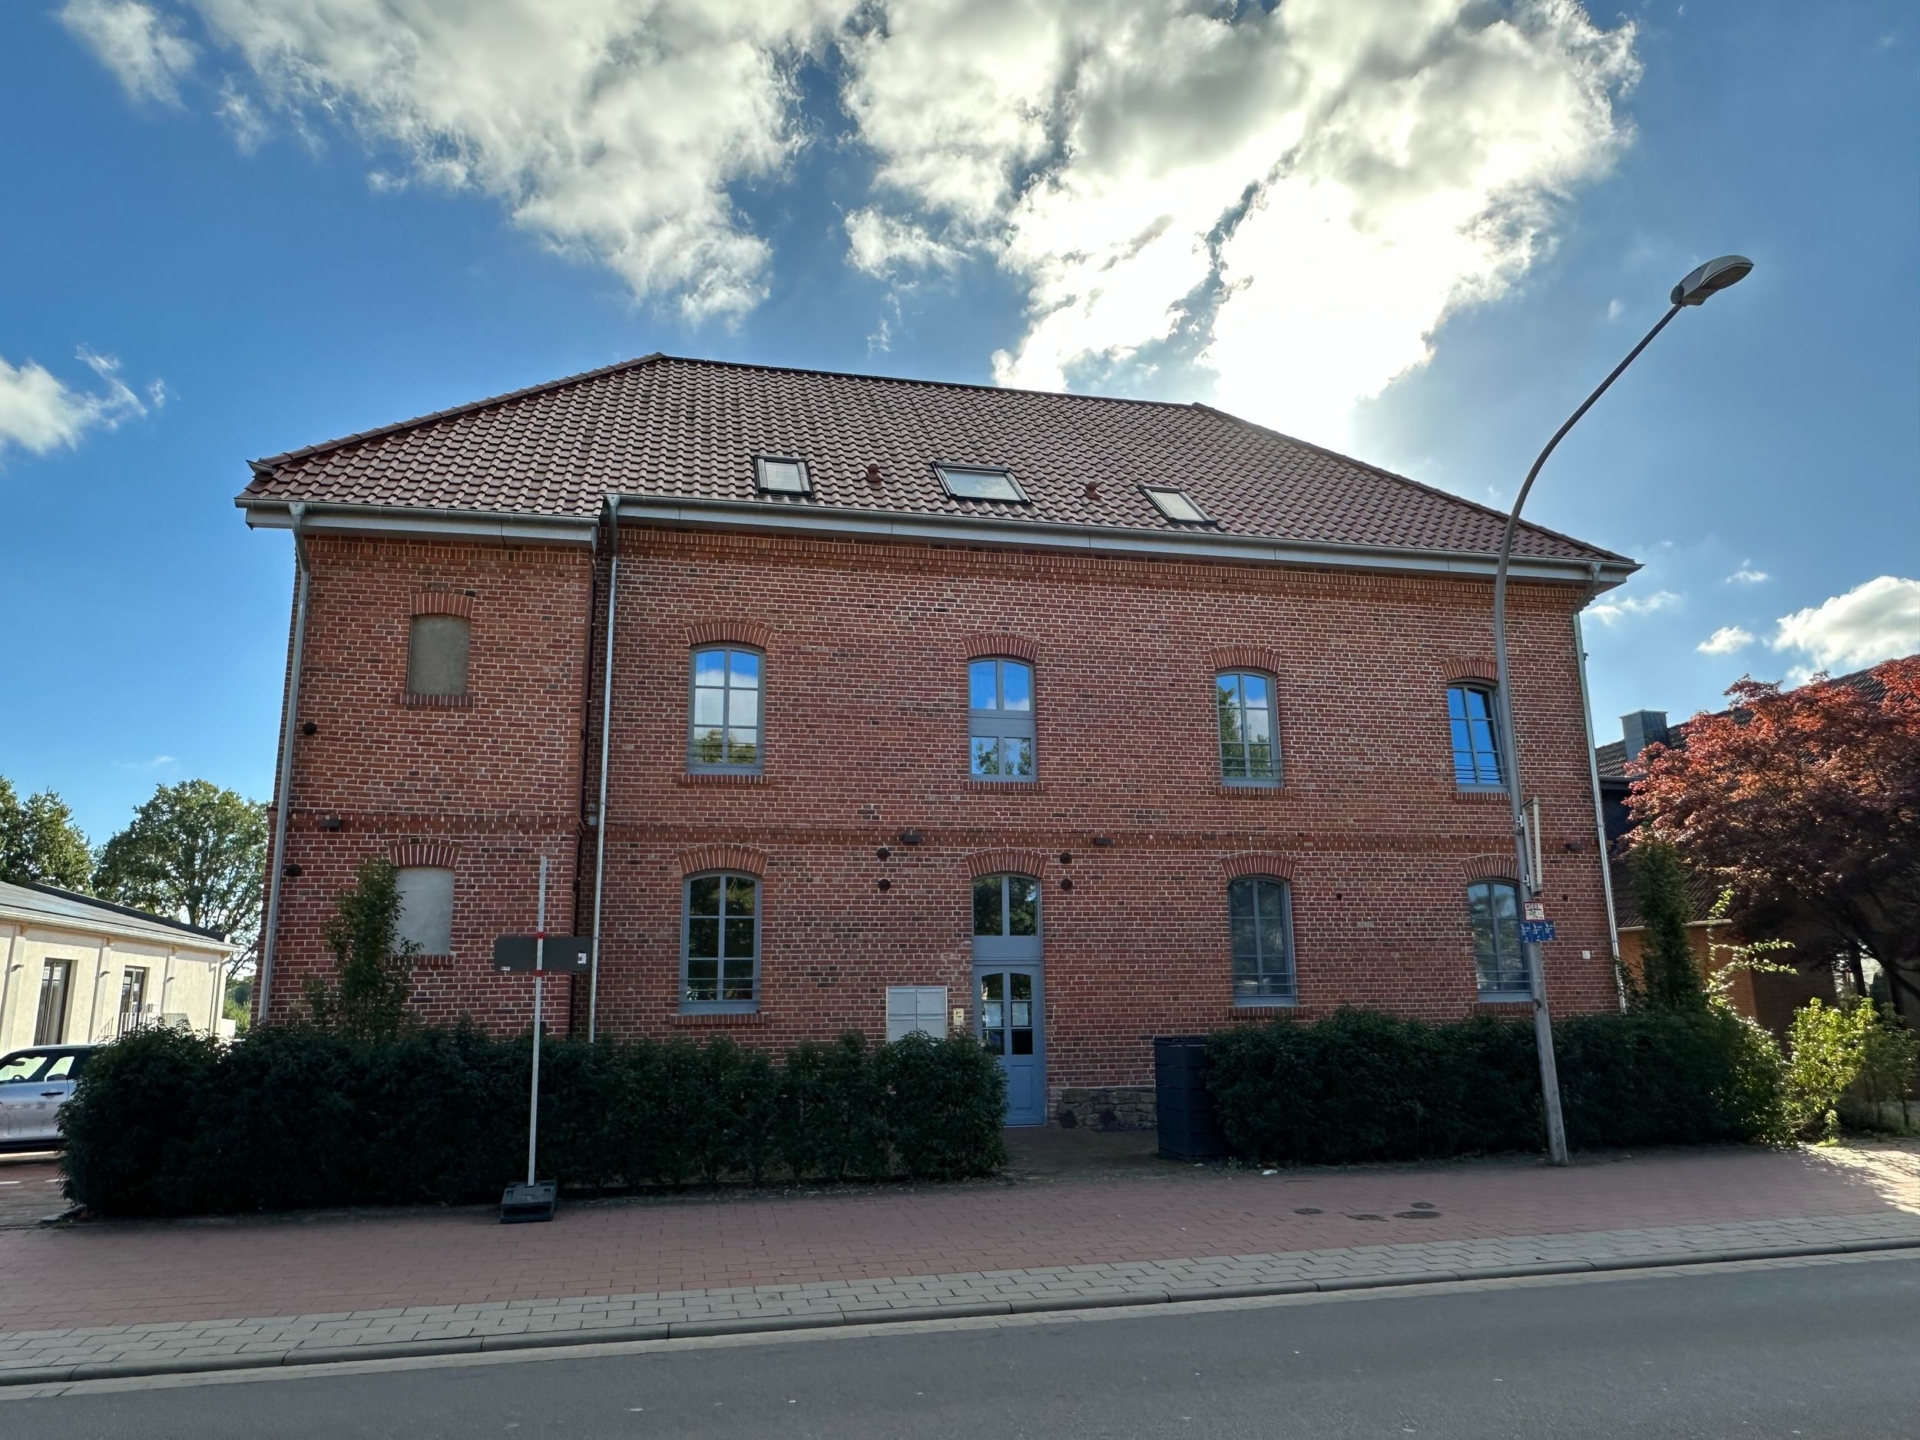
773 1324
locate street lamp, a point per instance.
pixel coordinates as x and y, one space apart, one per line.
1707 280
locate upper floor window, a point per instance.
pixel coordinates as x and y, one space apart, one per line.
1000 719
426 909
1260 917
1249 752
437 647
782 475
720 943
726 711
980 482
1476 737
1500 960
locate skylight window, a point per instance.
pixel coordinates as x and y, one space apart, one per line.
1175 505
782 476
973 482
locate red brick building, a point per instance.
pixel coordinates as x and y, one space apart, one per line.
1081 720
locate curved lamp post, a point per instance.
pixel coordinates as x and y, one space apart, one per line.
1709 279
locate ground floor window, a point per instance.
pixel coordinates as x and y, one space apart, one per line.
1493 906
50 1023
1260 916
720 944
133 998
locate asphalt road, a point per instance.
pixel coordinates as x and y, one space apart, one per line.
1808 1350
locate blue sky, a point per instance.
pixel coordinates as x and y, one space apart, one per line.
234 227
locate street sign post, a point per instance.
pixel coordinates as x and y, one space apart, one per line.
534 1201
1536 932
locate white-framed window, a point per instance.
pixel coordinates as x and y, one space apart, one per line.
1249 745
437 650
1000 719
426 909
1499 959
1176 505
726 713
720 944
916 1010
133 998
981 482
1472 718
782 475
1260 918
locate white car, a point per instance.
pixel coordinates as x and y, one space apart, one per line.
34 1084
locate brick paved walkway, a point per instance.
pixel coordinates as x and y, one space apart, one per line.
141 1294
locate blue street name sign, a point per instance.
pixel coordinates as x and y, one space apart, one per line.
1536 932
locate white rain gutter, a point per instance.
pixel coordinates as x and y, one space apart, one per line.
296 515
606 741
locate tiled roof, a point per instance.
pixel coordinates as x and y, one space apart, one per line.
1703 893
675 428
45 904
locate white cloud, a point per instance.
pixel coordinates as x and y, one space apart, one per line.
1747 575
1611 612
879 244
1300 196
40 412
1291 200
1879 620
1727 640
143 50
611 129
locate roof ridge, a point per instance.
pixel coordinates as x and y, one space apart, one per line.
97 903
1420 485
380 432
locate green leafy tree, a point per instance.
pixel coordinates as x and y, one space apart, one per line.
39 841
372 964
193 852
1669 975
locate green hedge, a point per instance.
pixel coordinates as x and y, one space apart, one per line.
165 1123
1361 1086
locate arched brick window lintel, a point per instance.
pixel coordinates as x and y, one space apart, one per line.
1245 657
423 855
738 859
443 602
750 633
1461 668
1280 867
1006 862
980 645
1489 867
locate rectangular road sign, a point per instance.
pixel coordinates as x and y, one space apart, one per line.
570 954
1536 910
1536 932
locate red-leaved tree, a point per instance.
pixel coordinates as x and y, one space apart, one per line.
1807 803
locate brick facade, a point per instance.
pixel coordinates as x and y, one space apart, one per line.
1128 827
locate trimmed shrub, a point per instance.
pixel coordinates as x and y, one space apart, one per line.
293 1117
1362 1086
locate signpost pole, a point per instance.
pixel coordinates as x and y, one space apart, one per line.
539 1011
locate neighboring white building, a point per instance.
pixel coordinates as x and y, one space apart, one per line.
81 970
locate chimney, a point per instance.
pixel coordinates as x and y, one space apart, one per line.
1641 729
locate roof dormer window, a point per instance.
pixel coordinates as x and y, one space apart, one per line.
782 475
980 482
1175 505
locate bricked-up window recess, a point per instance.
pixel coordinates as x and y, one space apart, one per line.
1000 719
1249 752
725 732
1260 916
720 944
426 908
437 649
1499 959
1476 738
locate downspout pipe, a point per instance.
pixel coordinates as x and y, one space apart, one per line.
606 748
1593 775
298 511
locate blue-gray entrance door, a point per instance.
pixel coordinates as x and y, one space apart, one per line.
1008 989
